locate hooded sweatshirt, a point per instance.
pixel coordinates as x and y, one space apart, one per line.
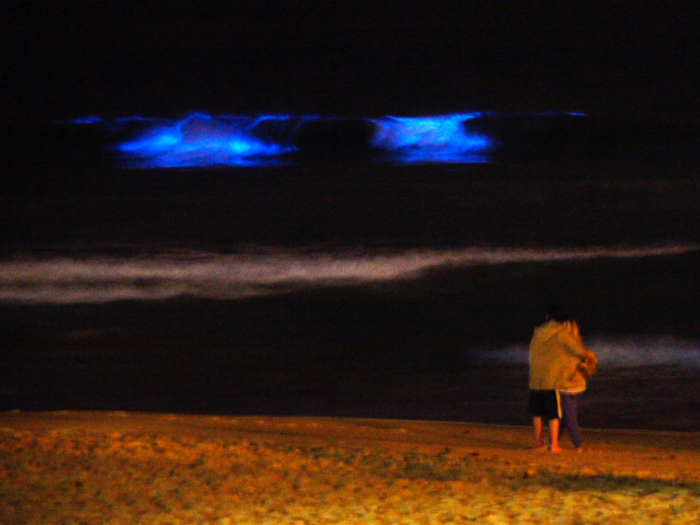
555 352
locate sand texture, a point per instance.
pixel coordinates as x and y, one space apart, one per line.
118 468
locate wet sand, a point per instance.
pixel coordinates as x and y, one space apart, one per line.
101 467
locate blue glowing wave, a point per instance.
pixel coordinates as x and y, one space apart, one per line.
203 140
441 139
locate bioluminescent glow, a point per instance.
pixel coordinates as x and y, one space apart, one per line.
441 139
559 114
88 120
203 140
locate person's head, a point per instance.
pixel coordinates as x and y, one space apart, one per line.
556 313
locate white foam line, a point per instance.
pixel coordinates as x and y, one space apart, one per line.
240 275
614 353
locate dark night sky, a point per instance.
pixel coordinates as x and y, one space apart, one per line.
69 59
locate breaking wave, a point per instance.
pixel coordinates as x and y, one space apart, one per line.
202 140
95 279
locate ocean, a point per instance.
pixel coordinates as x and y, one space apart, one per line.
389 267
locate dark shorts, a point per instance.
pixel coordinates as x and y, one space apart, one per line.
544 403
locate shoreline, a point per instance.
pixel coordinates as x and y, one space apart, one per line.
654 398
442 433
400 353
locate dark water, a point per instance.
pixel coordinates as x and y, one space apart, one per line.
342 284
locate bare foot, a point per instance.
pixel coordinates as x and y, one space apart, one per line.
555 449
539 448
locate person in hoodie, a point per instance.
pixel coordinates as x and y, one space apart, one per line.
556 350
570 392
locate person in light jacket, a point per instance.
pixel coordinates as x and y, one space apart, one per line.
569 395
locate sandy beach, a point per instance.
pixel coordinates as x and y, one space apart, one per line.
119 467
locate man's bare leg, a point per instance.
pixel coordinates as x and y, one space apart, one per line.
554 435
537 424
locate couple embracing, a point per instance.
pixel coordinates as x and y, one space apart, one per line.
559 367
